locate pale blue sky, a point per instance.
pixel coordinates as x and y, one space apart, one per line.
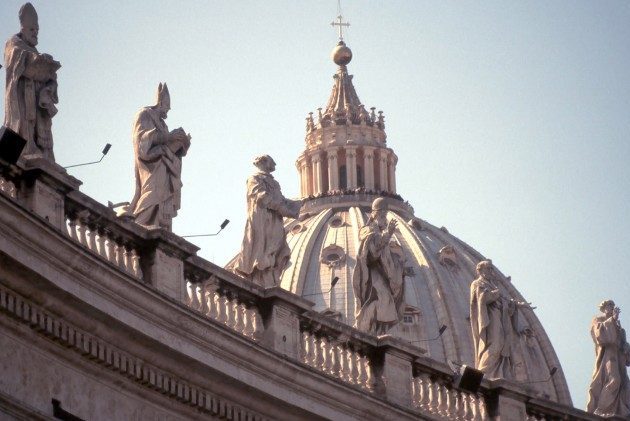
511 121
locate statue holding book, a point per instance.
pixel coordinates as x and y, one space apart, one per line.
158 164
31 87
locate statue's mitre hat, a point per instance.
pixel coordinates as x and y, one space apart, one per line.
162 94
27 14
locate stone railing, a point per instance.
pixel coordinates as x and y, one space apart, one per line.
384 368
8 188
221 300
98 230
437 396
337 354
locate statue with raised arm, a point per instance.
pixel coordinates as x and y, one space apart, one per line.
31 87
158 164
494 323
264 251
377 279
609 393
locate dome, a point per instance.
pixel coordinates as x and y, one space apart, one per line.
347 164
439 269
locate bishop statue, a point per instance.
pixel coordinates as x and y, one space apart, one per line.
158 164
31 87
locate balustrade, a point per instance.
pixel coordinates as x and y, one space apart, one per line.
337 359
97 239
224 306
441 400
8 188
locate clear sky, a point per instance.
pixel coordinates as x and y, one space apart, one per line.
511 121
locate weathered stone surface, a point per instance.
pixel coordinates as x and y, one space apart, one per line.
378 275
31 88
264 252
158 164
609 392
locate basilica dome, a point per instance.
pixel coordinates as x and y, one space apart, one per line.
345 165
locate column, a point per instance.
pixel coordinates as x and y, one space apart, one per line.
316 161
382 159
393 159
368 167
308 177
351 166
333 169
304 178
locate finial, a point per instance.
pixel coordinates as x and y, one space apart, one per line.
341 54
340 23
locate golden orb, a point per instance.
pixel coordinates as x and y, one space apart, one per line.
341 54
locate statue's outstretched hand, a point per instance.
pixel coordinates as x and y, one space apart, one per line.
391 226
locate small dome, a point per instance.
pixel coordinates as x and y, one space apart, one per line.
341 54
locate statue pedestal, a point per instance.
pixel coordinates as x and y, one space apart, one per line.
43 189
164 267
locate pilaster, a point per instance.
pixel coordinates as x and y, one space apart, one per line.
393 159
382 160
351 166
368 167
333 169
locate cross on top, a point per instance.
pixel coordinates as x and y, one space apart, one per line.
340 23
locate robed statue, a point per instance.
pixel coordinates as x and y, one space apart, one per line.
158 164
378 277
31 87
495 325
609 393
264 251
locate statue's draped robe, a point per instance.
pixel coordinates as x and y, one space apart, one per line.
158 171
29 104
265 252
494 326
609 393
377 282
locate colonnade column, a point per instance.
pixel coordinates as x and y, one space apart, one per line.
382 160
316 161
351 166
368 167
308 178
333 169
393 159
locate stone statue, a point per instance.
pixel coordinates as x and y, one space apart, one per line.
264 252
609 394
158 164
378 275
31 88
495 325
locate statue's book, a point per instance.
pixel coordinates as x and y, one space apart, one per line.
43 68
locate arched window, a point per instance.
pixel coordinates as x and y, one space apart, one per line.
360 181
343 178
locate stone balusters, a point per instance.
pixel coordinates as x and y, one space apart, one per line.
224 307
103 243
8 188
439 399
337 358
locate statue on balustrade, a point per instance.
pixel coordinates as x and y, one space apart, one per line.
158 164
609 393
378 275
264 251
495 325
31 87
